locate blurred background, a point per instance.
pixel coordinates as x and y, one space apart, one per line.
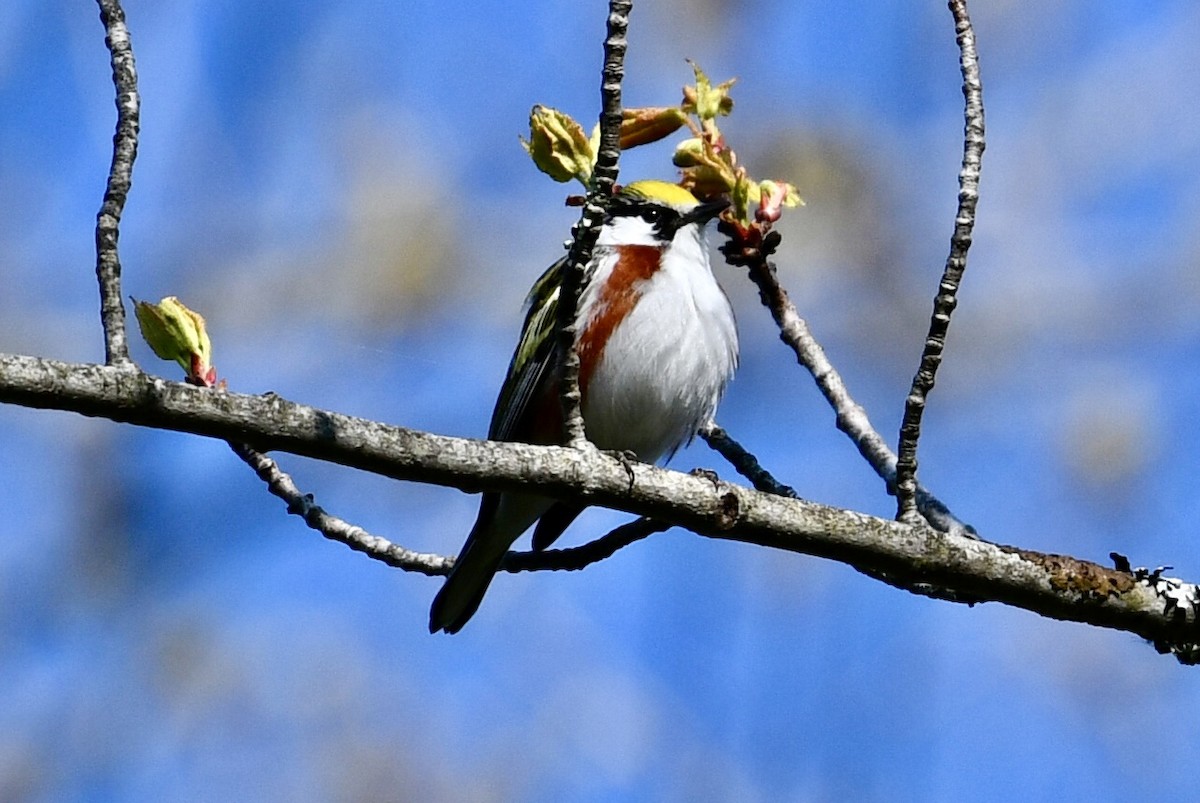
339 188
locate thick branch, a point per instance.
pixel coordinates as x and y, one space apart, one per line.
120 177
956 263
1160 609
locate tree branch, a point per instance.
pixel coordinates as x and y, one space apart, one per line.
851 418
580 557
1163 610
120 177
956 263
303 505
743 461
604 177
587 230
317 518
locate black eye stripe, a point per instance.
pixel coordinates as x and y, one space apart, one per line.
660 217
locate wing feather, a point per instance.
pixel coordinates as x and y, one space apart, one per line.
535 355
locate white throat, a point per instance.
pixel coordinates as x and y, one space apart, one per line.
628 230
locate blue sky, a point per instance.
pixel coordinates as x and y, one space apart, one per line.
338 187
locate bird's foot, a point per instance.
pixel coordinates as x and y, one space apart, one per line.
627 459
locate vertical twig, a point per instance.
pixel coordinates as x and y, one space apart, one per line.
851 417
605 174
120 176
956 263
588 229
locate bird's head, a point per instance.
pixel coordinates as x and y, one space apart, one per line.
654 212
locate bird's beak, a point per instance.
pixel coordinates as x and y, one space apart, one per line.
706 211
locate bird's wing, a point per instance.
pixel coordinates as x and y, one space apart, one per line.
533 358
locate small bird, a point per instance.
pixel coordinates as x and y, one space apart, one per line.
657 343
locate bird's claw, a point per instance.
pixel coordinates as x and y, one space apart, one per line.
627 459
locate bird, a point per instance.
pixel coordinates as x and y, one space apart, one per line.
657 344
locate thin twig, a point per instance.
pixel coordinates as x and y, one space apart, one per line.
746 463
280 484
579 557
587 230
604 176
947 296
851 418
300 504
120 176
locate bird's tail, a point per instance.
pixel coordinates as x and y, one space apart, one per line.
463 590
501 520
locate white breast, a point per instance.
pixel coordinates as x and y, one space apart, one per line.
666 365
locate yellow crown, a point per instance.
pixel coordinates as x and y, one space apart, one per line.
663 192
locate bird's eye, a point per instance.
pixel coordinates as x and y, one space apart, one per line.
654 215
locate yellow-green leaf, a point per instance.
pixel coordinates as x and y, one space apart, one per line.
176 333
558 145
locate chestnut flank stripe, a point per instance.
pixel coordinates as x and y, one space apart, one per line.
621 291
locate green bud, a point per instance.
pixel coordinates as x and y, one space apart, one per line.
744 193
773 197
558 145
176 333
643 126
704 181
690 153
705 100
